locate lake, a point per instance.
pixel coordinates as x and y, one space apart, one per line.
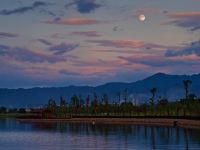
69 136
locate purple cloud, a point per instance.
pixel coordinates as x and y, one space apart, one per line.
45 42
133 44
63 48
26 55
157 61
118 43
193 48
190 20
84 6
68 73
8 35
188 56
73 21
85 33
23 9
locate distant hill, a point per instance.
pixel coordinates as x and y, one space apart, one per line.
169 86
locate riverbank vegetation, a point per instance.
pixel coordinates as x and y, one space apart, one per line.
94 106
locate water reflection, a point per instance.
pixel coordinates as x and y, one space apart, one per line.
98 136
154 136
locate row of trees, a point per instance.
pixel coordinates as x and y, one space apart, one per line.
12 110
92 105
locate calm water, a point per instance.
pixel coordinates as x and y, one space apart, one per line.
67 136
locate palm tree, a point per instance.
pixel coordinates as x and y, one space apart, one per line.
74 103
105 104
62 102
186 85
81 101
51 104
153 92
119 100
119 97
87 103
95 103
125 95
152 99
62 107
52 107
105 99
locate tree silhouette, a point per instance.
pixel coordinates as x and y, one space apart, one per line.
153 92
95 103
62 107
81 101
87 103
186 84
125 95
105 104
52 107
74 103
105 99
119 97
152 99
51 104
62 102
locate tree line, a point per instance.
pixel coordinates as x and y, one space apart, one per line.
93 105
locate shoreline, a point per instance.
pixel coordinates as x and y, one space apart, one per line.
183 123
14 115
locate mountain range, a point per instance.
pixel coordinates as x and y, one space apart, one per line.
168 86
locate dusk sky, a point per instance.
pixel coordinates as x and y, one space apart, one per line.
91 42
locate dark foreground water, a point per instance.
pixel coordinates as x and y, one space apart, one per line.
68 136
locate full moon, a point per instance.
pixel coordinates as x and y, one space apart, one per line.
141 17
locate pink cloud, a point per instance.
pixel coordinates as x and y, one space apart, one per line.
184 14
190 20
73 21
119 43
114 51
191 57
161 61
133 44
98 67
86 33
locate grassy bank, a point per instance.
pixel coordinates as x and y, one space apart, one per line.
13 115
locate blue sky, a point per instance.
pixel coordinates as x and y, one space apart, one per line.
90 42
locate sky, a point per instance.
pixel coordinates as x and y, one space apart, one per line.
92 42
